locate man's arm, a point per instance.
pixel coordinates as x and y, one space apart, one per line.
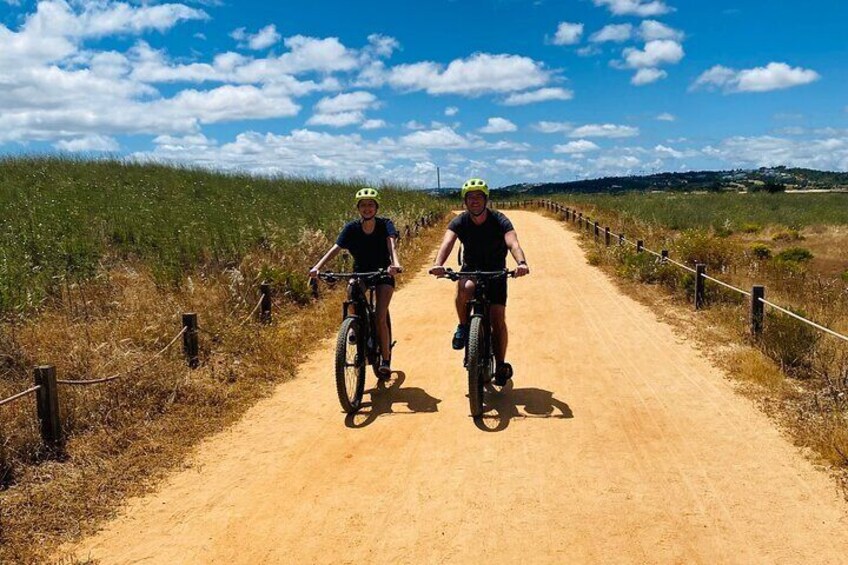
511 239
443 253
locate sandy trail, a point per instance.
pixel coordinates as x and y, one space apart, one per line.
618 442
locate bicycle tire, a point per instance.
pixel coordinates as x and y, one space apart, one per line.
377 358
477 364
350 373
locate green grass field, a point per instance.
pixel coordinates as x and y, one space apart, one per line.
723 212
64 220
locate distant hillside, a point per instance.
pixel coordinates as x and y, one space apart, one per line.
770 179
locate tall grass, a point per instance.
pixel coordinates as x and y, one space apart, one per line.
62 220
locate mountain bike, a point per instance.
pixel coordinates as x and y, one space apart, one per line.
357 344
479 348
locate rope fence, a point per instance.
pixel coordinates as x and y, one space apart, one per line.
756 295
128 372
19 395
46 388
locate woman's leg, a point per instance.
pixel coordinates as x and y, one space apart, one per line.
384 297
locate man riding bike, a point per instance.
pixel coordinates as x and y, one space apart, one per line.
372 241
486 235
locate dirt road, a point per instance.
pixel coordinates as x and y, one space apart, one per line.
618 442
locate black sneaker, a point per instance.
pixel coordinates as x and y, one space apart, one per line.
502 374
459 337
385 370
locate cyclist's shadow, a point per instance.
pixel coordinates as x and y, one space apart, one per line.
501 406
385 395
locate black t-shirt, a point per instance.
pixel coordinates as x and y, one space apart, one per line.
370 251
484 248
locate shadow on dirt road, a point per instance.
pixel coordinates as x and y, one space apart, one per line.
502 406
386 395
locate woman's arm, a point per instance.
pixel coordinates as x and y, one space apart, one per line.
334 250
395 267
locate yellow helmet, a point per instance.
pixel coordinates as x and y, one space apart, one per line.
367 193
472 185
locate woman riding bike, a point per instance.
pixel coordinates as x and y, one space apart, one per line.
372 241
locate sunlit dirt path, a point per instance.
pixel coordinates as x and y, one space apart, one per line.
618 442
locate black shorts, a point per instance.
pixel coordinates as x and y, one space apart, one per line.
387 279
496 291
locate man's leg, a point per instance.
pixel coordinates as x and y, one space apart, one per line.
500 335
384 297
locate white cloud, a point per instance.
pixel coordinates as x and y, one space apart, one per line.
613 32
576 147
451 111
666 117
373 124
647 76
655 53
479 74
336 120
568 33
670 151
442 138
541 95
381 45
641 8
774 76
498 125
652 30
828 153
88 143
264 38
347 102
604 130
414 125
545 169
553 127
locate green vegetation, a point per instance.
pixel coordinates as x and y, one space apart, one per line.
720 211
795 254
761 251
64 220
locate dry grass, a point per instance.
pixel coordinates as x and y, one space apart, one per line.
125 435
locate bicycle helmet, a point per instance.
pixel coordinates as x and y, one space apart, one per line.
367 193
472 185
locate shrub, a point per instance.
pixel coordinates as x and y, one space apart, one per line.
751 228
790 342
787 235
761 251
845 276
795 254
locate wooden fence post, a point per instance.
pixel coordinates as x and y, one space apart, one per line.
190 344
621 239
700 271
597 230
607 236
580 220
640 245
664 255
47 399
265 308
758 292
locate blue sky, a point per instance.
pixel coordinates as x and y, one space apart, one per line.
509 90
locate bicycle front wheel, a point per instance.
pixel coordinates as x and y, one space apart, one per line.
477 365
350 365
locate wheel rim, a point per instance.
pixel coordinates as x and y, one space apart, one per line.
353 362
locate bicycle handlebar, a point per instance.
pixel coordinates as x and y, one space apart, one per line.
455 276
332 277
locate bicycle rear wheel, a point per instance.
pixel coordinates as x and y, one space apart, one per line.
477 365
350 365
